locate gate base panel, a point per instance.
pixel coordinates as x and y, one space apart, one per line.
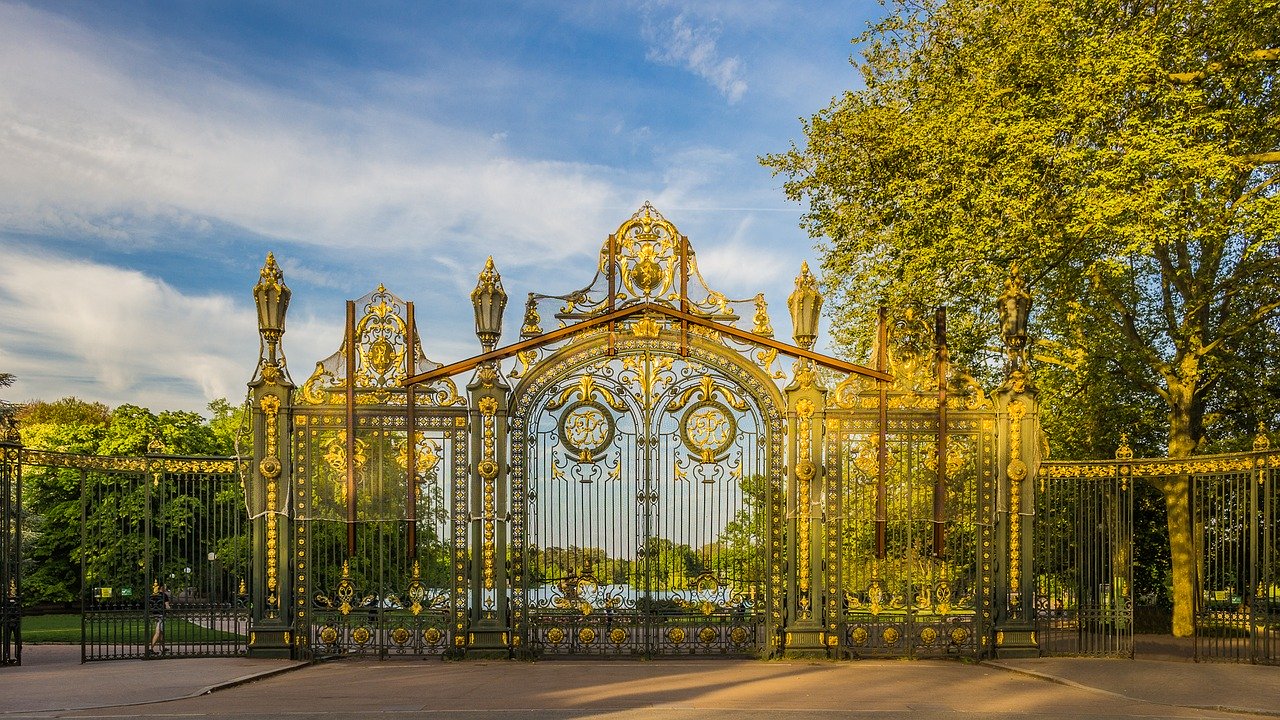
1016 641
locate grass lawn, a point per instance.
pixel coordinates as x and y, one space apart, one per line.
126 630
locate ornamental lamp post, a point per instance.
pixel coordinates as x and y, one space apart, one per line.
490 300
805 303
272 298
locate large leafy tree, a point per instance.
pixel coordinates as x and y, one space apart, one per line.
52 499
1125 155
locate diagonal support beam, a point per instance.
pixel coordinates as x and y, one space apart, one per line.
616 315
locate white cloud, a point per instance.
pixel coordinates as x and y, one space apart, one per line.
74 327
681 42
99 138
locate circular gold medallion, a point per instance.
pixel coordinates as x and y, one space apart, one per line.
586 429
738 635
708 429
676 635
890 636
587 635
858 635
432 636
959 635
360 635
928 636
706 635
617 636
555 636
400 636
328 635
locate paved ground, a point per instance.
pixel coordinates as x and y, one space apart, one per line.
52 683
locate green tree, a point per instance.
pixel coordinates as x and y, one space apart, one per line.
52 524
1125 155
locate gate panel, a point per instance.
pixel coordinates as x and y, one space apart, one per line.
651 509
385 584
1083 560
1234 513
907 599
159 524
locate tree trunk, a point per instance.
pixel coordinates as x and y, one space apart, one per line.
1183 437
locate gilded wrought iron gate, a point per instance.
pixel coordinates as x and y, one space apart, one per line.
909 561
1083 559
651 514
10 545
1235 512
377 551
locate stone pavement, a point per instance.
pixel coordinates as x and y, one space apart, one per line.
52 683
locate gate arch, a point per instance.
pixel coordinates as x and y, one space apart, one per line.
647 495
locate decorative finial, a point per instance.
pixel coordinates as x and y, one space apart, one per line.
1261 443
156 446
532 320
805 303
1124 452
762 327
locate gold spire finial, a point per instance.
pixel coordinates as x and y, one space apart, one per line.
1261 443
1124 452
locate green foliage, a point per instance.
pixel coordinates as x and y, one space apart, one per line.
1123 155
1063 136
52 497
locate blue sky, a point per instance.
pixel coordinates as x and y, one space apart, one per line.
151 153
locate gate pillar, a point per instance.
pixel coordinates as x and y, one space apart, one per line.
10 541
488 492
806 421
1018 428
267 494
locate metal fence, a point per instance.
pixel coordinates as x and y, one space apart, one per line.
1235 506
1083 559
1084 553
164 554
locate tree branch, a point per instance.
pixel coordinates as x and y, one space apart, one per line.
1263 55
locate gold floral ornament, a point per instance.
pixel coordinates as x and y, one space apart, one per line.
378 341
1261 443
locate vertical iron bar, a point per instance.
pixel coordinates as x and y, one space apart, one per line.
1250 557
940 486
411 442
351 427
882 518
84 540
684 294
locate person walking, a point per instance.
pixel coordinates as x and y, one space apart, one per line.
159 604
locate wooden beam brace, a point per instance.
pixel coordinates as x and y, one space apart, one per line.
612 317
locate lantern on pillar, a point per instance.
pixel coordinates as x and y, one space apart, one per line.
272 298
805 303
489 300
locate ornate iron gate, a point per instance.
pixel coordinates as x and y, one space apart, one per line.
909 557
379 562
1235 511
151 525
10 545
652 487
647 465
1083 601
653 484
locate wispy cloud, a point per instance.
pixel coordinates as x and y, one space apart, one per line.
690 44
97 141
